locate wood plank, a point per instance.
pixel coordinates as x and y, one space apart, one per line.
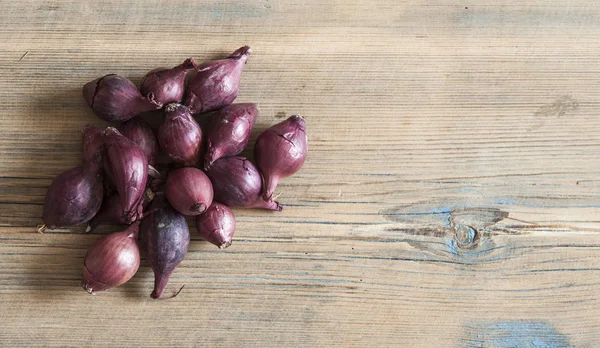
450 198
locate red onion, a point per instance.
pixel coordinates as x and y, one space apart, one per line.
189 191
280 151
237 183
73 197
216 84
93 145
216 225
180 136
166 237
229 131
140 132
127 166
165 85
116 99
112 260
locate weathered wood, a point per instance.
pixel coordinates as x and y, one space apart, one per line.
450 198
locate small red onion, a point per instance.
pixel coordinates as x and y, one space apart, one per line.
189 191
216 225
116 99
216 83
140 132
74 196
166 237
280 151
93 145
127 166
237 183
112 260
165 85
180 136
229 131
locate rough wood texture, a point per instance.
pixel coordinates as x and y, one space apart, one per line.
451 196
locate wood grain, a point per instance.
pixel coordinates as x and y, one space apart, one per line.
450 198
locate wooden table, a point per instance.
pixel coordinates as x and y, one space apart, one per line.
451 197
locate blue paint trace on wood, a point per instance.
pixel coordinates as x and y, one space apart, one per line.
418 213
442 213
515 333
506 201
468 190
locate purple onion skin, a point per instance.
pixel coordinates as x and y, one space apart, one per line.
237 183
165 85
229 131
111 212
166 237
93 145
74 196
116 99
112 260
154 119
280 151
216 225
189 191
180 136
128 167
140 132
216 83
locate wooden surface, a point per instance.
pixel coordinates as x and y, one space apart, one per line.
451 197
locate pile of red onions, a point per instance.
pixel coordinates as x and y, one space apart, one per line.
151 175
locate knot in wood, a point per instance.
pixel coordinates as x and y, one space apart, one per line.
466 237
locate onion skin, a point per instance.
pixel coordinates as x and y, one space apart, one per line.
237 183
93 145
127 166
229 131
112 260
180 136
216 225
280 151
215 84
140 132
157 184
74 196
111 212
165 85
189 191
116 99
166 237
